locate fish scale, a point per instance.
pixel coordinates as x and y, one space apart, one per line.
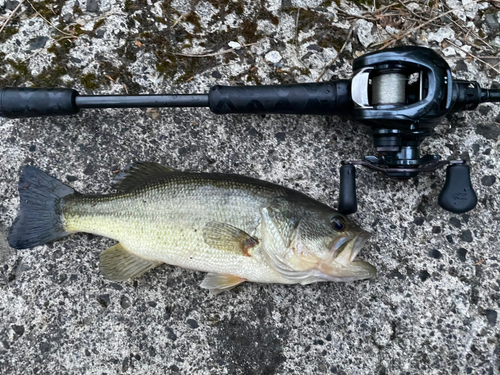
164 221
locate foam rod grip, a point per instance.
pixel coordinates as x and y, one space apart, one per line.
326 98
37 102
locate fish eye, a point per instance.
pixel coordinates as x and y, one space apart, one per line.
338 223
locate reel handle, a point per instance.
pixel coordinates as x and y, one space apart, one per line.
457 195
348 203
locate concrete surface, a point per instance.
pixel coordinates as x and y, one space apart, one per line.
433 307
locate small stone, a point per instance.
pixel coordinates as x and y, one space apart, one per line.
45 347
70 178
449 51
93 6
455 222
234 45
11 4
280 137
462 254
19 330
314 47
461 66
441 34
492 21
418 221
364 33
37 43
491 315
475 148
32 148
104 300
466 236
124 302
89 170
216 74
489 131
436 229
192 323
436 254
488 180
424 275
273 57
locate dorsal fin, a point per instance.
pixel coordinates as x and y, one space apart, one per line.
138 173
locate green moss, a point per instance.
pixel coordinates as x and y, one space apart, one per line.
161 20
225 7
98 24
134 5
89 81
7 33
249 31
49 77
362 2
77 11
47 8
20 67
194 19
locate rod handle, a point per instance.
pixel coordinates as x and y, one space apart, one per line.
37 102
325 98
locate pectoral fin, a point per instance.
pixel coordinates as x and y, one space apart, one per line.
119 264
226 237
217 283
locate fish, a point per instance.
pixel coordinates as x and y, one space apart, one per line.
233 227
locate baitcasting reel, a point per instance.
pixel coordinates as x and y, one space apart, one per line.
401 94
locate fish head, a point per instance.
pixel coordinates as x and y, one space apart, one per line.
328 242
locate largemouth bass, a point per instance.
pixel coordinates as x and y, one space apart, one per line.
233 227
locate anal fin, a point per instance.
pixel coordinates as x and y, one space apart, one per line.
217 283
119 264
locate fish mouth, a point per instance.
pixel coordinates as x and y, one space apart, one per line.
345 266
337 244
341 244
359 243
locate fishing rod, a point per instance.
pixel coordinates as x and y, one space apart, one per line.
400 93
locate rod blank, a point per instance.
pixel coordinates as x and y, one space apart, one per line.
135 101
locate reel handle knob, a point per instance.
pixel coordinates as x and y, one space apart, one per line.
457 195
348 203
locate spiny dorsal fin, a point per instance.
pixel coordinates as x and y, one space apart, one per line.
217 283
224 236
136 174
119 264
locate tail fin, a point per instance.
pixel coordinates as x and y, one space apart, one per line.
40 217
